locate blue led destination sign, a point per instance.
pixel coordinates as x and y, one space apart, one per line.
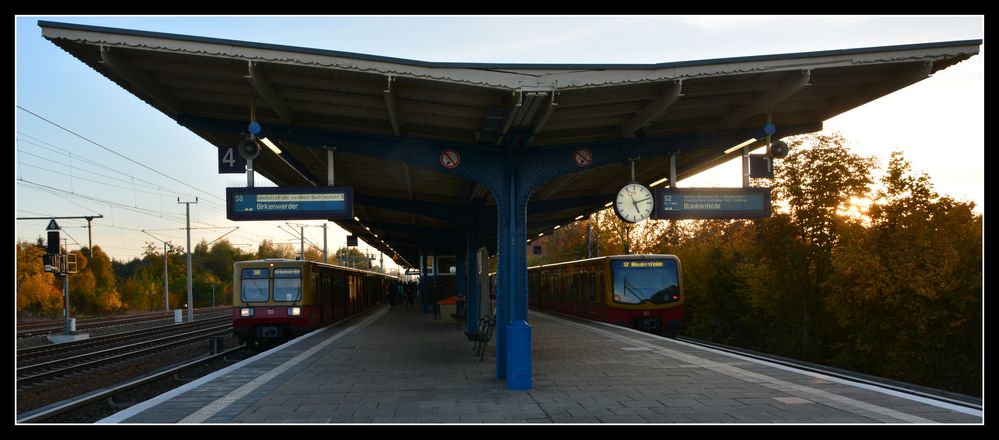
712 203
308 203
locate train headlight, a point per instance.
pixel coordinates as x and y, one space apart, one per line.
246 312
294 311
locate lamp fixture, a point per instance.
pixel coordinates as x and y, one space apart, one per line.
270 145
743 144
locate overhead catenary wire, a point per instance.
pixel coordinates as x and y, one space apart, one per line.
160 214
116 153
133 179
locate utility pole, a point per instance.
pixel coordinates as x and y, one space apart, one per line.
325 258
66 330
190 278
166 275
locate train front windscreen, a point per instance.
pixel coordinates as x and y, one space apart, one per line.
645 281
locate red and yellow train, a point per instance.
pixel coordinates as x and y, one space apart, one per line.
277 298
638 291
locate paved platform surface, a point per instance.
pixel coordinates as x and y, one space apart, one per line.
401 366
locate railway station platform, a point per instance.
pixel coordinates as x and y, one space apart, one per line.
401 366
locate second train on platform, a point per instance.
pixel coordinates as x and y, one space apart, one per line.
643 292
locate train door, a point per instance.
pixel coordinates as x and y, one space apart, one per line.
352 291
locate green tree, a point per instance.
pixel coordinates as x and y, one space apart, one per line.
819 177
107 298
717 306
566 243
313 254
268 249
614 235
349 256
910 287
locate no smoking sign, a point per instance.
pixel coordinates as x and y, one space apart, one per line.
583 157
450 159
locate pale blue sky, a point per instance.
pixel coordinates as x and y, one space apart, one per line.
938 123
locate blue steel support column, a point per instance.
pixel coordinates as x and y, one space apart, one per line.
513 335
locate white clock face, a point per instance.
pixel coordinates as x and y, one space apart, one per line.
634 203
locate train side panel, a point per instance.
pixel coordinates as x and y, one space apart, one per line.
586 289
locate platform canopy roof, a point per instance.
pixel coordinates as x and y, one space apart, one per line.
307 99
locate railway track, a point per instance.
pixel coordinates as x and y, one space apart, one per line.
25 330
94 405
34 355
55 369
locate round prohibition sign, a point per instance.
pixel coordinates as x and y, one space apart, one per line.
450 158
583 157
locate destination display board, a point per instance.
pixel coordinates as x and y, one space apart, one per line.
289 203
712 203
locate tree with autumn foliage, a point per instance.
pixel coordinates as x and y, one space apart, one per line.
909 288
817 179
37 294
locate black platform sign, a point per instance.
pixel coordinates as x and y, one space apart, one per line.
712 203
230 161
306 203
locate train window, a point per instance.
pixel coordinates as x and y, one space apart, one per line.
446 265
253 284
287 284
655 281
428 265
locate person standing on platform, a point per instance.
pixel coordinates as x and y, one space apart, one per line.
400 293
390 293
409 295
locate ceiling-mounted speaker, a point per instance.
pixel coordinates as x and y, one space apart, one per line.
249 149
778 149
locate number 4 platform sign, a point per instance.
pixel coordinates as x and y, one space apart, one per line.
230 161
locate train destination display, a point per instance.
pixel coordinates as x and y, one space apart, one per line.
306 203
712 203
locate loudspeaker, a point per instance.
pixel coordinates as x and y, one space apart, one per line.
249 149
778 149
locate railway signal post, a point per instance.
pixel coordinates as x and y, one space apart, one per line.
63 264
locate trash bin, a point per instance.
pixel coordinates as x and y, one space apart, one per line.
448 306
